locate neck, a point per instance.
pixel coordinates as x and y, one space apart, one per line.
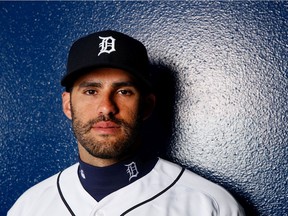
95 161
102 181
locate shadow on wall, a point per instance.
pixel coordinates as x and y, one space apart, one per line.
159 130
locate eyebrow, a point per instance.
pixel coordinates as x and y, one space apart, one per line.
90 84
100 84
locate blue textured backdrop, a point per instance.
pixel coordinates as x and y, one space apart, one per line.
226 60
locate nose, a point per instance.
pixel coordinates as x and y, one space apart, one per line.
107 106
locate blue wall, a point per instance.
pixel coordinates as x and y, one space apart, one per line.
223 72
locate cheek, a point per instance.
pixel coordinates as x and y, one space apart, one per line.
80 111
133 112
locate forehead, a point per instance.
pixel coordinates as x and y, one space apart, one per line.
106 75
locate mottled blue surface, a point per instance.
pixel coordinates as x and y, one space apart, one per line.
228 63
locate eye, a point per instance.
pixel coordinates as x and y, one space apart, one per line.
90 92
125 92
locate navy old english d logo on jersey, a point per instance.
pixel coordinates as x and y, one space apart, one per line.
107 45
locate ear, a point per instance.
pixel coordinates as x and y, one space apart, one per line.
66 105
149 104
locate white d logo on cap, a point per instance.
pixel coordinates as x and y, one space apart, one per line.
107 45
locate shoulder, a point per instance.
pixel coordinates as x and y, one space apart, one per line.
194 187
44 191
48 184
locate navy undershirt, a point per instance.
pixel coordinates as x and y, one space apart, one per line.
101 181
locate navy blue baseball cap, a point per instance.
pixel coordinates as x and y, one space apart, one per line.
110 49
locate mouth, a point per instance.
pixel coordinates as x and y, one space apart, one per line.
106 127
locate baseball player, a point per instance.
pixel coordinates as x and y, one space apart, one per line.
107 97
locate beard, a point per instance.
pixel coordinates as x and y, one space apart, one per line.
106 146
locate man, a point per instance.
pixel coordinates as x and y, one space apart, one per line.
108 96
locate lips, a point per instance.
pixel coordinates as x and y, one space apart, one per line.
106 128
106 124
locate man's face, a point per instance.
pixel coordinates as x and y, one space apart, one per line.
105 111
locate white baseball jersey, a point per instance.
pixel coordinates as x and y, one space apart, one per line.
166 190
